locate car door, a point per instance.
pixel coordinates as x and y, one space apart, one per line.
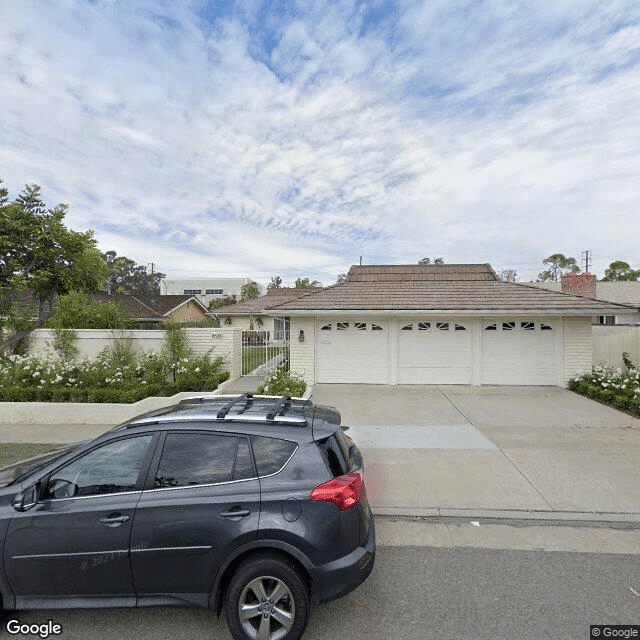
201 501
75 540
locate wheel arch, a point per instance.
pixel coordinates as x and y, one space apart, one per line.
274 547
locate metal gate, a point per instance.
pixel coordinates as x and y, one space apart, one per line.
264 351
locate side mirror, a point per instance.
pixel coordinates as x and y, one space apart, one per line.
28 498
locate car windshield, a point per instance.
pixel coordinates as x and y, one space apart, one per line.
19 471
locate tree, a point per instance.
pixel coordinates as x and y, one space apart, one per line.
37 251
74 311
620 271
508 275
428 261
559 265
303 283
222 302
342 278
125 276
249 291
276 283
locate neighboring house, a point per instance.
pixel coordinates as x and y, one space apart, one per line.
439 324
627 293
207 289
148 312
151 312
255 314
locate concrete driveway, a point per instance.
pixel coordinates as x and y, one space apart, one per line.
449 449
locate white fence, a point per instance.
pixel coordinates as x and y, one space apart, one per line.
223 342
611 341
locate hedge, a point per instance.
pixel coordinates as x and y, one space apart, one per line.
126 395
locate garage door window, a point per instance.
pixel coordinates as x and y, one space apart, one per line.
342 326
442 326
527 325
459 327
376 327
326 327
407 327
424 326
360 326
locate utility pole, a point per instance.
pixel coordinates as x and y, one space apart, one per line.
586 259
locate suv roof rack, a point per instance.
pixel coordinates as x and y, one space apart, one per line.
255 409
248 397
280 406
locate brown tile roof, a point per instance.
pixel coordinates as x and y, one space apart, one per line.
166 303
291 292
128 304
620 292
474 290
420 272
275 296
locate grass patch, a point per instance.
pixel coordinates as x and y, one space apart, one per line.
252 358
11 452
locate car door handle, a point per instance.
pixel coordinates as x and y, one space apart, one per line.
236 512
114 520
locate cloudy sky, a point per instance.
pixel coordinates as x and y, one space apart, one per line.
251 138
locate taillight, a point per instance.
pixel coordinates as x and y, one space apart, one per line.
345 491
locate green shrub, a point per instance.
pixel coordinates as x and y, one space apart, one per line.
622 402
283 383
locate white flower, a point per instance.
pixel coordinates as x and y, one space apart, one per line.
197 369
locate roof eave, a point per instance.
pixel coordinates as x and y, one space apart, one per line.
458 312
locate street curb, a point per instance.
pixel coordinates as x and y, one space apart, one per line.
496 516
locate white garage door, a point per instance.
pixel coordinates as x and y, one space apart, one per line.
516 351
348 351
434 352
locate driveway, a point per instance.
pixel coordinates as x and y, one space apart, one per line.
439 449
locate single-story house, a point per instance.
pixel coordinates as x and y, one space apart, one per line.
627 293
255 314
149 312
439 324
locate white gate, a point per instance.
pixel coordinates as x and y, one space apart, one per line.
264 351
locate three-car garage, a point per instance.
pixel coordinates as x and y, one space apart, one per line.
438 350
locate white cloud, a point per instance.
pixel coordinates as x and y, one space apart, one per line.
479 132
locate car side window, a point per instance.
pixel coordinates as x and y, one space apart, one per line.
196 458
271 454
112 468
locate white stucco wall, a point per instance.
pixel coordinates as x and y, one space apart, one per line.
225 342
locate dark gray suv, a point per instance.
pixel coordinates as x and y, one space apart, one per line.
255 504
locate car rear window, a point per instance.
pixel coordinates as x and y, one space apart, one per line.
271 454
335 451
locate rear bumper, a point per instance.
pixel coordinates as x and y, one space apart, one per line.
336 579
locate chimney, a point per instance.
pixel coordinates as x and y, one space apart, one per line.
580 284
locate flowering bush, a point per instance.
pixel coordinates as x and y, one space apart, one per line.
610 384
107 379
283 383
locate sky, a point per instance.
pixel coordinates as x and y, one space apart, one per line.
234 139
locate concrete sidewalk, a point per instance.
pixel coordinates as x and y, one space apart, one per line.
462 452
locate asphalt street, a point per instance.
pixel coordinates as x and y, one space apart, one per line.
456 593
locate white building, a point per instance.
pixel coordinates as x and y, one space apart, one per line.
207 289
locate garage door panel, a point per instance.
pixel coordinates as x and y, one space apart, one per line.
519 353
433 355
357 352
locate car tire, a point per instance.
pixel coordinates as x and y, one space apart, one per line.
267 598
